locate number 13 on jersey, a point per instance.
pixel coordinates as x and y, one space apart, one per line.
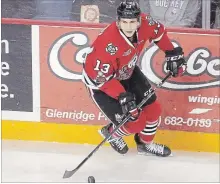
104 68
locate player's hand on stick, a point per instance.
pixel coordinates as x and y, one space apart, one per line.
176 63
128 104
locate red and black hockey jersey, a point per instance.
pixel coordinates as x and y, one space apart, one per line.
113 57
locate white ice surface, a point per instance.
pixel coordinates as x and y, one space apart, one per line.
24 161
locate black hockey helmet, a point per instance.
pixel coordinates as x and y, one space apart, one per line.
128 9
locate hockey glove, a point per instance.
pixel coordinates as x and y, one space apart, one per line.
128 104
176 63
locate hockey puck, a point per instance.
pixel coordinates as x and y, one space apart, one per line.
91 179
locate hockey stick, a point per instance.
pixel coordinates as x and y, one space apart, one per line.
68 174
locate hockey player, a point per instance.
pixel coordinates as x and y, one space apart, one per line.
117 85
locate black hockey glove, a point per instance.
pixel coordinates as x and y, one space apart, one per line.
128 104
176 63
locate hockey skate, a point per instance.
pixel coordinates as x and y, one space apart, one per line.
153 148
118 144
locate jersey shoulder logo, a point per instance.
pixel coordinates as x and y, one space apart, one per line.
111 49
150 20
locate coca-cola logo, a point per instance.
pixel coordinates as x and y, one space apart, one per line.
200 63
79 40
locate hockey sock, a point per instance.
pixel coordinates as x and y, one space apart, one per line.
120 132
147 135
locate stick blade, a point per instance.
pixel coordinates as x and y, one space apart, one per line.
68 174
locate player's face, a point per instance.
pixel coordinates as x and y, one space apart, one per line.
128 26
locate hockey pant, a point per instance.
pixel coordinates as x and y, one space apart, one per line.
147 123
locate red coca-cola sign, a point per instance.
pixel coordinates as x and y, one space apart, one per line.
190 102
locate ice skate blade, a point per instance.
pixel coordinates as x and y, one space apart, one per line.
150 154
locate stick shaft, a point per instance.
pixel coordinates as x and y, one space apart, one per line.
68 174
